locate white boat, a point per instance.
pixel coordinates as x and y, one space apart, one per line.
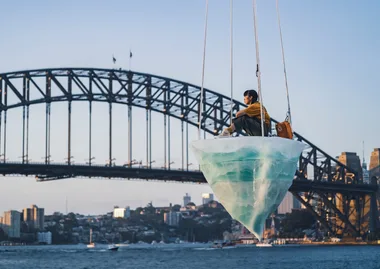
261 245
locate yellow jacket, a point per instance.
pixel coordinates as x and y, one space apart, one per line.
253 110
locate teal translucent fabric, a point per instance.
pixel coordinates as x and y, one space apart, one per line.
249 175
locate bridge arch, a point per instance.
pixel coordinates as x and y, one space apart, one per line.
160 94
164 95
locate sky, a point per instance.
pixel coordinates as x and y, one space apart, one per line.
331 53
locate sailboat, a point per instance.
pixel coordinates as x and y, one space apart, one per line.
249 175
91 244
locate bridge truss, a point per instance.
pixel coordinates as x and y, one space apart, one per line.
334 192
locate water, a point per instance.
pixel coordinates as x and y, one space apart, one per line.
193 256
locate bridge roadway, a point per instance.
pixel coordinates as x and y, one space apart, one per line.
55 171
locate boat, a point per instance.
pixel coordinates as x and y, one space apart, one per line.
113 247
91 244
223 244
263 244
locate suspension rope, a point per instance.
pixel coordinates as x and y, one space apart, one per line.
258 67
283 61
231 57
203 74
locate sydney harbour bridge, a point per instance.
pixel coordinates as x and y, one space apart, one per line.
335 193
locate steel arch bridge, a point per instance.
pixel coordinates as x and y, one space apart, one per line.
332 191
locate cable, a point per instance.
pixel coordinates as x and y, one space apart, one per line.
258 67
283 61
203 74
231 56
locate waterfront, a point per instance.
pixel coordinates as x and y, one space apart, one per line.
190 256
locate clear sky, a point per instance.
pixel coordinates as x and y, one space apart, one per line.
332 55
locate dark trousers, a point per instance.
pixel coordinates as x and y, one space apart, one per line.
251 125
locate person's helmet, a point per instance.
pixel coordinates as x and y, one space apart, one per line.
251 93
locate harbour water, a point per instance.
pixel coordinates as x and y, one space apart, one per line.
190 256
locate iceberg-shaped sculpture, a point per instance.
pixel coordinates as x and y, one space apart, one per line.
249 175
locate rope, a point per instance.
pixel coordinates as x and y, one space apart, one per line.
283 61
231 53
203 74
258 67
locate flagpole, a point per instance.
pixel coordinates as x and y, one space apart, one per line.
130 59
114 60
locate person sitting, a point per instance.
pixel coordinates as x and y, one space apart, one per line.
249 118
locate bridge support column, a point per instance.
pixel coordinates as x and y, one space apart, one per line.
69 134
90 132
374 211
5 123
23 134
187 146
165 139
130 135
182 146
27 121
130 97
1 110
148 139
110 134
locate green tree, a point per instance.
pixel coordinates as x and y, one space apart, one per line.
3 236
138 211
176 208
150 209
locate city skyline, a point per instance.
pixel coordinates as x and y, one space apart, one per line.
331 63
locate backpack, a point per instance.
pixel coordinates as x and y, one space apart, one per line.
284 129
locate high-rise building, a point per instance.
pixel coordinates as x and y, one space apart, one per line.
186 199
27 214
375 159
172 218
374 164
364 169
34 217
207 197
351 160
27 217
365 173
121 212
11 223
287 204
38 217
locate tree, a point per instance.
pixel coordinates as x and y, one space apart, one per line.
190 204
295 222
176 208
3 236
138 210
149 209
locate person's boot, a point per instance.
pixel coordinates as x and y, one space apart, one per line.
225 133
